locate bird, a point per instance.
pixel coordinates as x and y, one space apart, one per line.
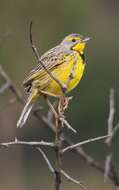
65 62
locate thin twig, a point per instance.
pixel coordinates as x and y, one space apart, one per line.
111 115
83 143
46 160
58 142
4 87
108 142
17 142
72 179
68 125
108 161
115 129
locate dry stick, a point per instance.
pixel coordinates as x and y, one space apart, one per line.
6 79
83 143
62 171
69 178
52 109
58 142
111 114
78 150
113 175
108 142
31 143
73 180
68 125
47 160
115 129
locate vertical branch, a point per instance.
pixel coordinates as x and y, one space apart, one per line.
108 160
58 143
111 111
62 105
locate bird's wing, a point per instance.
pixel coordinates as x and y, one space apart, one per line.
50 59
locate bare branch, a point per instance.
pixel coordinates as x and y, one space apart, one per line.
6 79
4 75
83 142
108 142
9 85
72 179
46 160
68 125
78 150
88 159
4 87
111 115
108 161
17 142
115 129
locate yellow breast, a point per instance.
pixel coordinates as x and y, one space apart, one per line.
62 72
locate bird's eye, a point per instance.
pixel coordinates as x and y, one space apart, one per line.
73 40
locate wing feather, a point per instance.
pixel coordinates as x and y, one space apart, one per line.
50 59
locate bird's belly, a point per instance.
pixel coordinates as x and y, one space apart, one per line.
62 73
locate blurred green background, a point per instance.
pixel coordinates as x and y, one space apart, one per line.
22 167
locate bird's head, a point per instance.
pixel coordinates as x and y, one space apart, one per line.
75 42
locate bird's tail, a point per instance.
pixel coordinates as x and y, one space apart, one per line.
27 109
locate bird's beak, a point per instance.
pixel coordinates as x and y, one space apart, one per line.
86 39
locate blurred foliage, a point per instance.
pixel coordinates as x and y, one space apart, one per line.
52 21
